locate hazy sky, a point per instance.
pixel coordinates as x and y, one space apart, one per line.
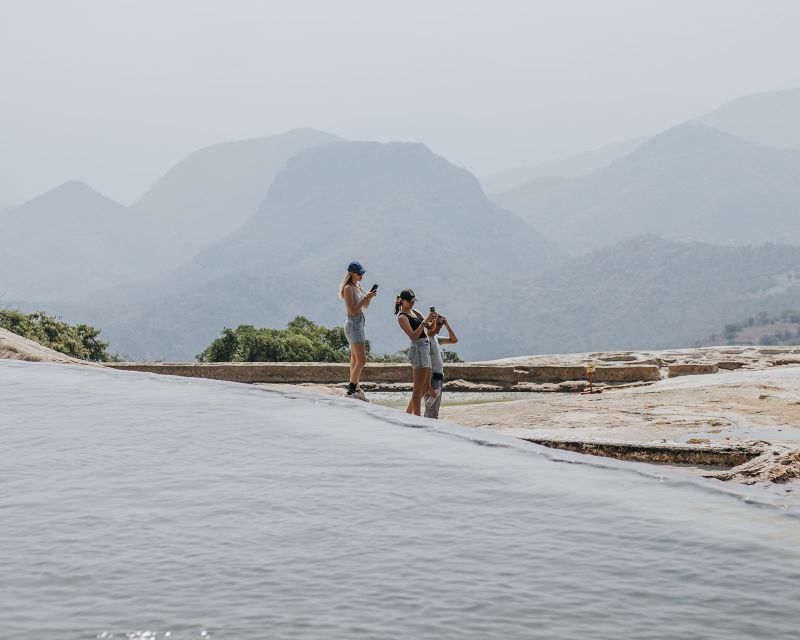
114 92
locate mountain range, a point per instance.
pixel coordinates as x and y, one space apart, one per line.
647 293
215 189
768 119
572 166
414 219
259 231
71 241
690 183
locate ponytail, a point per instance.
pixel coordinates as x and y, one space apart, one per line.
396 305
348 279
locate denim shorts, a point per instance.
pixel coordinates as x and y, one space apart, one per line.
354 329
419 354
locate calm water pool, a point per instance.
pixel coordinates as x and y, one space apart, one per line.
133 503
399 399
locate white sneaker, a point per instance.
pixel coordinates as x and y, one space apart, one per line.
360 394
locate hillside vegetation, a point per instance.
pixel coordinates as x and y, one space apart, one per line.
79 341
645 292
763 329
689 183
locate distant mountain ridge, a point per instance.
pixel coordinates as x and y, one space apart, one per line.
69 242
572 166
72 242
215 189
414 220
259 231
769 118
689 183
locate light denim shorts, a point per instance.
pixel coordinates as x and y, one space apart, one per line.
419 354
354 329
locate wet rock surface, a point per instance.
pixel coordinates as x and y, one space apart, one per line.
745 399
729 406
778 464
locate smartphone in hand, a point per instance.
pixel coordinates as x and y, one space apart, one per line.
374 287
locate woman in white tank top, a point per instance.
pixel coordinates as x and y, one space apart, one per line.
356 301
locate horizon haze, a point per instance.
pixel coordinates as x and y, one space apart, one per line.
115 93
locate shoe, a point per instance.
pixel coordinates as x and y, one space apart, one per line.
360 394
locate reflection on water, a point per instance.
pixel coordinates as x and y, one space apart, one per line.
141 504
399 399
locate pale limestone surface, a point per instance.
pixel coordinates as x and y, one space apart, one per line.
735 406
14 347
759 400
754 357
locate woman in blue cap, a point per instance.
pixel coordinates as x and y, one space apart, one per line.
356 301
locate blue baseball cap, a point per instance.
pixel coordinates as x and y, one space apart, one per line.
356 267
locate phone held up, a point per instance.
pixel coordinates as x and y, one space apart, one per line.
433 309
374 287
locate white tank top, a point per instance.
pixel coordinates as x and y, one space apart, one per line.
358 296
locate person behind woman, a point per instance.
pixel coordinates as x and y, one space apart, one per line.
433 399
419 353
356 301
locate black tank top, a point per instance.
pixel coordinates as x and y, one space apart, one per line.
414 322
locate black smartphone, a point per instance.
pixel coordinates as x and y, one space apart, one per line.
374 287
433 309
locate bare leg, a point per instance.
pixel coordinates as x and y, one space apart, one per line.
422 382
358 360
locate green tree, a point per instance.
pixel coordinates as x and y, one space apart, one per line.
79 341
301 341
450 356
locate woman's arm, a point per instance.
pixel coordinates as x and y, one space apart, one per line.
354 308
368 298
427 322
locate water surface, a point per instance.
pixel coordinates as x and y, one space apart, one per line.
133 503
